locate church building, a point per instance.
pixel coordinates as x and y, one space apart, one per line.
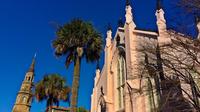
25 95
119 86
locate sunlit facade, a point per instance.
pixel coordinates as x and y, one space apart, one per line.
119 86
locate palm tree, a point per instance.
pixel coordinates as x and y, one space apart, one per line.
77 40
53 89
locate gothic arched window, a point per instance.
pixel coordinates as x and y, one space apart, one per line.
121 73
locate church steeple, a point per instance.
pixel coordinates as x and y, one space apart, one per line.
24 96
31 69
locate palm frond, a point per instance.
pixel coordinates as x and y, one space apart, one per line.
78 33
52 88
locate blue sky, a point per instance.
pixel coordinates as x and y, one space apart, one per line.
28 26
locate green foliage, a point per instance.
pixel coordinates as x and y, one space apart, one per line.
76 40
78 34
53 89
82 109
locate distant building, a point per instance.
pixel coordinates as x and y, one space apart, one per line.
118 86
25 96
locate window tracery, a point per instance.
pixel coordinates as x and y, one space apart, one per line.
121 73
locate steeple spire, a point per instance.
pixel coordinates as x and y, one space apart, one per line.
25 95
32 67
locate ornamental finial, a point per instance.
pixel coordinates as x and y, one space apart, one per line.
109 27
128 2
197 18
159 4
120 23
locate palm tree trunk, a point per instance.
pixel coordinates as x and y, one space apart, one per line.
75 85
